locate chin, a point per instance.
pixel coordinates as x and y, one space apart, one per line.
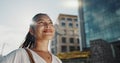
48 38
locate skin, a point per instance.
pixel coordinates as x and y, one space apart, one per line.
43 32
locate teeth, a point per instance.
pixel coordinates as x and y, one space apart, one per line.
47 31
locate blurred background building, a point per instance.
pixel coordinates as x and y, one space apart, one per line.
96 30
66 38
100 19
66 44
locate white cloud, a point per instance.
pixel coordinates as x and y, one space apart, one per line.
70 4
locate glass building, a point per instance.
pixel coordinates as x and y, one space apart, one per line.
100 19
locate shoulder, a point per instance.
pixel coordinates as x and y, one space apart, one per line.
20 50
16 52
14 55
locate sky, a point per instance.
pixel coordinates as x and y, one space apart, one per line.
16 16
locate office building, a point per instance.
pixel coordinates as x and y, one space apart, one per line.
99 19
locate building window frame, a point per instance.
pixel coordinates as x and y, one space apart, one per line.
63 24
71 40
76 19
62 18
70 25
69 19
72 48
63 39
63 48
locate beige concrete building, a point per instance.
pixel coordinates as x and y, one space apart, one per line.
66 37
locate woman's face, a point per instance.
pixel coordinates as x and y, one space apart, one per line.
44 28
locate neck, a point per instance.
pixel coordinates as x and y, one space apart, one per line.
41 45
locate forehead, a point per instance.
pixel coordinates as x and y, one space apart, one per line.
43 18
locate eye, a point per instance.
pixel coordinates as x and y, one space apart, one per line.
40 23
51 23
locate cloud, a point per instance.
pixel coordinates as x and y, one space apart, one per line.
70 4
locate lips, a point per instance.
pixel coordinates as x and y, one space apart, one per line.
48 31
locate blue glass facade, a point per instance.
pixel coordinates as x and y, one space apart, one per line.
101 20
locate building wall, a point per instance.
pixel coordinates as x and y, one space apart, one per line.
101 20
101 52
67 28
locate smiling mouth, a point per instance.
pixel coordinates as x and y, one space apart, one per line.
48 31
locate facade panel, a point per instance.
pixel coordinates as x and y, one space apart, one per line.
101 20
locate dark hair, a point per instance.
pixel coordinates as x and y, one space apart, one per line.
30 39
36 17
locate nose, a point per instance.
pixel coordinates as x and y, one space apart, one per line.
47 25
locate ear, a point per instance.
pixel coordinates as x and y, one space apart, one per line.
31 31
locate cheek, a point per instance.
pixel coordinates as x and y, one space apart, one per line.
53 30
38 30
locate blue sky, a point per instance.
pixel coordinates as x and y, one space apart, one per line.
16 15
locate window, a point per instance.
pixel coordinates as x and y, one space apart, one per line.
63 24
70 25
72 48
63 40
76 25
75 20
78 48
62 18
63 48
69 19
78 41
71 40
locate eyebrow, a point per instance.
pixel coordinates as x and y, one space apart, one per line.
43 19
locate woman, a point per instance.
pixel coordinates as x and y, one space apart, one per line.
35 44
